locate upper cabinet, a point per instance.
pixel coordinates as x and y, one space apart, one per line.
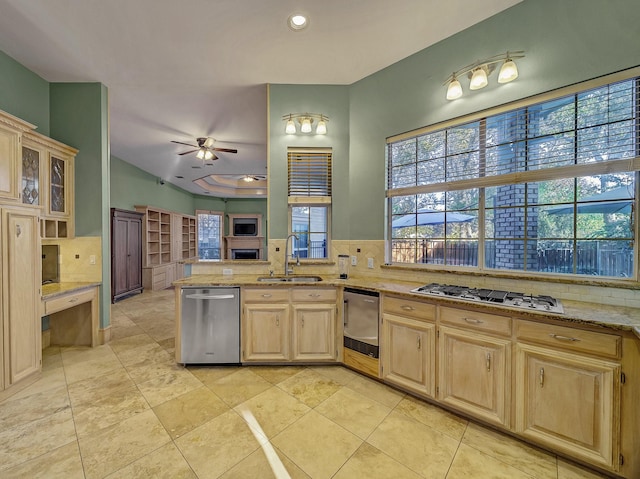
11 131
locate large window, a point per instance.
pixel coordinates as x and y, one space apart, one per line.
309 194
544 187
210 228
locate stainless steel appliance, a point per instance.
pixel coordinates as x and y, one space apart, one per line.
505 298
210 326
361 310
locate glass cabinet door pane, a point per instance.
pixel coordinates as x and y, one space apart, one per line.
57 185
30 176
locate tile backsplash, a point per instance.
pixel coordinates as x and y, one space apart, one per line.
80 258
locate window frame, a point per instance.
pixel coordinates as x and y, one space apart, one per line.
631 165
221 238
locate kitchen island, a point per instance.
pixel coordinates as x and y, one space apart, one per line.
557 380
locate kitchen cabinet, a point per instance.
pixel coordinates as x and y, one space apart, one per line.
569 400
289 324
58 221
408 344
11 131
475 363
126 253
20 330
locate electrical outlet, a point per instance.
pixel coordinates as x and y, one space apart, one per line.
369 262
227 271
92 259
354 261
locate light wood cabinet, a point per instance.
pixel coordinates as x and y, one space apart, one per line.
314 327
289 324
567 400
474 373
11 131
266 332
409 353
21 330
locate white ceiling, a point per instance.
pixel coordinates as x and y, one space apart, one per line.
181 69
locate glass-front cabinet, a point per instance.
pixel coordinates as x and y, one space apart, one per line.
12 130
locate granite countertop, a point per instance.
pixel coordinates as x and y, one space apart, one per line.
51 290
591 314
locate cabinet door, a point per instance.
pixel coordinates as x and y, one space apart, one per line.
21 294
31 181
60 185
10 141
569 402
314 330
265 332
408 353
134 252
474 374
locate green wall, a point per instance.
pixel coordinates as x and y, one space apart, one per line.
79 117
24 94
332 101
564 42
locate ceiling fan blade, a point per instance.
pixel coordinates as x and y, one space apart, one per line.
226 150
181 143
187 152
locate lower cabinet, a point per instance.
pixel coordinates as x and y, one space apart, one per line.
20 329
314 332
266 332
474 373
569 402
289 324
409 358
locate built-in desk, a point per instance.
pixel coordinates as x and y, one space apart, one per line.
74 313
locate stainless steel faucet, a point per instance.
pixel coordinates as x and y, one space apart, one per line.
287 271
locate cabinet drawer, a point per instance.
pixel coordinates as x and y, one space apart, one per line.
263 295
67 301
478 321
308 294
409 308
567 338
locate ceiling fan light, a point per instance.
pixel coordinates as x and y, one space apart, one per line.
321 129
508 71
248 178
478 79
306 125
208 155
454 90
208 143
201 153
290 129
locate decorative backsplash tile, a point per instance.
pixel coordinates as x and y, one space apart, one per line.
80 258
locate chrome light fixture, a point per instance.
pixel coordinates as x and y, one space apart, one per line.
479 71
305 120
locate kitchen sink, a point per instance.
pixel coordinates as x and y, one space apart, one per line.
289 279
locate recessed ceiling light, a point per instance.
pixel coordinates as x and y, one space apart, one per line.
196 167
181 177
297 21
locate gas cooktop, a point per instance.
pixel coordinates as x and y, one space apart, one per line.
504 298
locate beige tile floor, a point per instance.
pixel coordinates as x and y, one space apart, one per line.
126 410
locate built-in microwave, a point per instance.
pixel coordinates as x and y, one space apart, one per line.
245 226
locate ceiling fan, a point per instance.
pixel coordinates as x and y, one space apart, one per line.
205 149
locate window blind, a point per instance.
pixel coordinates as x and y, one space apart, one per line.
309 172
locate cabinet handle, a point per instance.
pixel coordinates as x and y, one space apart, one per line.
278 321
488 361
266 295
563 338
419 343
302 321
314 295
473 320
541 377
407 308
18 231
73 300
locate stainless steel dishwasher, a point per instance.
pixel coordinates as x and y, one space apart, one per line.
210 326
361 312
